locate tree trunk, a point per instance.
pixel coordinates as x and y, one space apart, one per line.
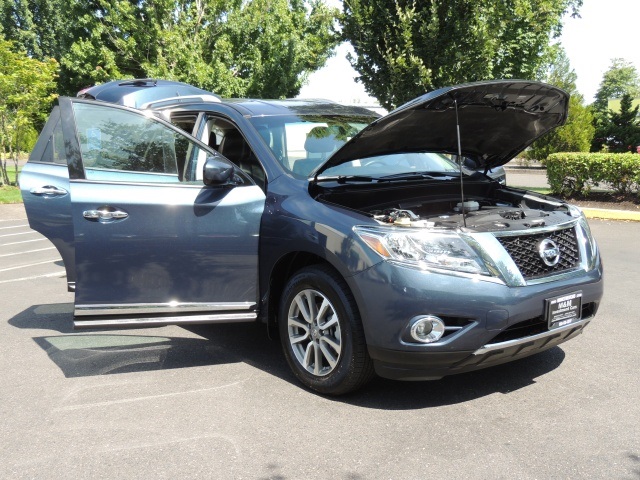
4 177
16 155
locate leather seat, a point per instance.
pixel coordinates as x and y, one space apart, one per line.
235 148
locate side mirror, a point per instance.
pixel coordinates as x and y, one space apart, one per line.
216 172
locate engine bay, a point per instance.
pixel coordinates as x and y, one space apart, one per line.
483 219
494 209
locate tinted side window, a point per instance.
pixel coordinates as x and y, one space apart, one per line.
50 145
117 140
54 151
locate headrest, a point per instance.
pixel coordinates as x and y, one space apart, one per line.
320 140
232 143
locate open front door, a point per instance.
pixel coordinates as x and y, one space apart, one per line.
153 245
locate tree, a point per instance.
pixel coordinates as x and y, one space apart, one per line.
405 48
623 132
621 78
26 87
38 27
258 47
576 134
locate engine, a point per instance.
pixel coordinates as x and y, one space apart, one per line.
480 216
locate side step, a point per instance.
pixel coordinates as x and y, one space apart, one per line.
142 322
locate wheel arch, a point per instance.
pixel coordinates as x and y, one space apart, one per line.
282 271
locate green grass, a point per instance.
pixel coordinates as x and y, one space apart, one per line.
12 173
10 194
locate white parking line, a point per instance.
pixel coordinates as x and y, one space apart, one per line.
25 266
14 226
57 274
26 251
21 233
108 403
24 241
12 219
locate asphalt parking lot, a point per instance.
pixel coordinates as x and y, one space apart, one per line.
219 401
24 254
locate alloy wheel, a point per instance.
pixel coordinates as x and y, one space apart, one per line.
314 332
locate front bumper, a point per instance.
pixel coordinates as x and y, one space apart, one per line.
399 365
503 323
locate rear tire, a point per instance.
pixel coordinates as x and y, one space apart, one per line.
321 332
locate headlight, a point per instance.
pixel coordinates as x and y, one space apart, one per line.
422 249
591 248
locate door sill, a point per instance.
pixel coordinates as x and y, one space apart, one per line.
142 322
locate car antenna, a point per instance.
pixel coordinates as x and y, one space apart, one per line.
464 217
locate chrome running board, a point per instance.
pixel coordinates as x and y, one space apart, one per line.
162 321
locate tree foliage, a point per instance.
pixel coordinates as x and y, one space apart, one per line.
621 78
623 128
576 134
39 27
263 48
260 48
405 47
26 87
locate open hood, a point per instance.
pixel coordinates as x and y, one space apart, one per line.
498 119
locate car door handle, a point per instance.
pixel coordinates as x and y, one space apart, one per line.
104 214
48 191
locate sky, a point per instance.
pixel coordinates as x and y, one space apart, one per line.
607 29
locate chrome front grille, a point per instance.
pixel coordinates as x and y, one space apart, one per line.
524 250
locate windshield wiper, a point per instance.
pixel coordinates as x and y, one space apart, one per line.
349 178
345 178
354 178
417 176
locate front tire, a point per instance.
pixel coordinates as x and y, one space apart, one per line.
321 332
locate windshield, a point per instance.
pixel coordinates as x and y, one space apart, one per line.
301 143
397 164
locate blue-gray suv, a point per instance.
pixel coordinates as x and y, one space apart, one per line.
356 236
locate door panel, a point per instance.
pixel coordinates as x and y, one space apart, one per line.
44 184
149 238
180 245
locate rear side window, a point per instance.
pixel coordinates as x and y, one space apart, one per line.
50 145
55 146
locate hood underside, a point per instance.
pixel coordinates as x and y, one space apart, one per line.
497 119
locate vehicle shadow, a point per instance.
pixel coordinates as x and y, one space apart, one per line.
394 395
104 351
83 354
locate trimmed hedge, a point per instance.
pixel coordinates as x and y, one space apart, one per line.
575 173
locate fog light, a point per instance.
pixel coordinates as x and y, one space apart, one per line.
427 329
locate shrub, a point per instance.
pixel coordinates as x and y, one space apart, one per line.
576 173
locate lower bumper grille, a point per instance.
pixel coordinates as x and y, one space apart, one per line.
534 326
497 353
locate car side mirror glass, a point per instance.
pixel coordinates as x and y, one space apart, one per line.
216 172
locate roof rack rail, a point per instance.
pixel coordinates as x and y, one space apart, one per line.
140 82
182 99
